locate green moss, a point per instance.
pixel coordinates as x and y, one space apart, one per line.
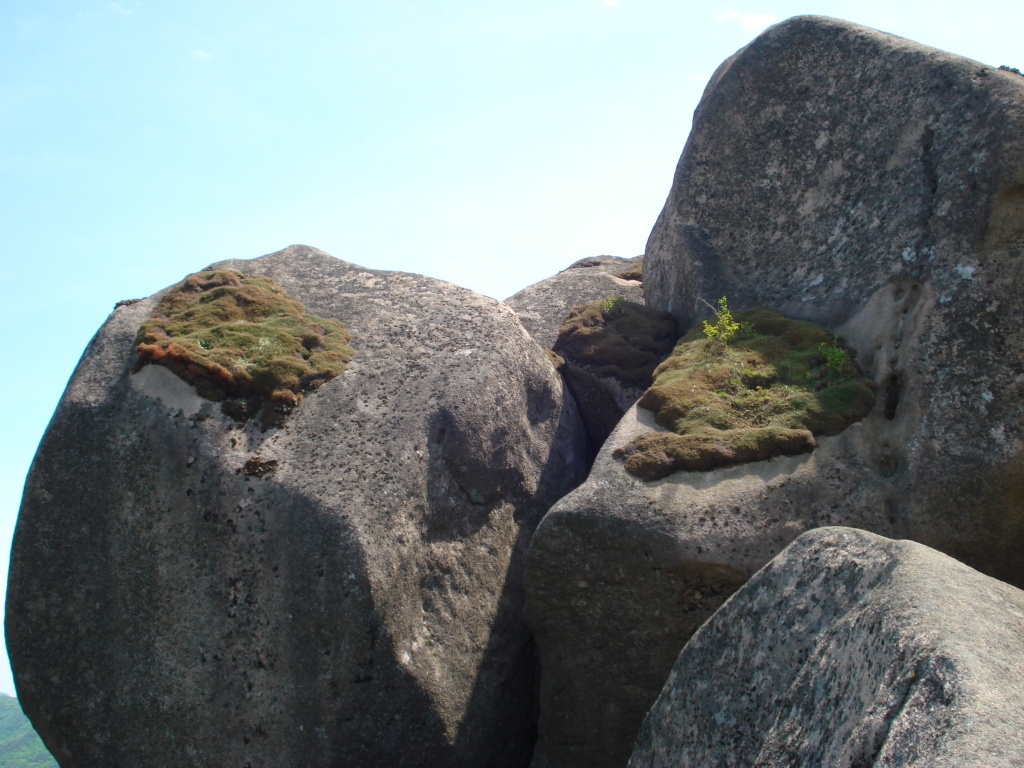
775 385
243 339
616 338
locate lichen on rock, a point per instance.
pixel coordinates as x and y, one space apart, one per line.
238 336
766 393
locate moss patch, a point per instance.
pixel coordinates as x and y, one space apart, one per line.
766 393
616 338
243 339
633 272
256 467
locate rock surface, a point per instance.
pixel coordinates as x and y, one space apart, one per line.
345 590
621 572
879 186
607 351
543 306
849 649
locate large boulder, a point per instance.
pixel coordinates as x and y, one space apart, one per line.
875 186
866 183
622 571
849 649
342 590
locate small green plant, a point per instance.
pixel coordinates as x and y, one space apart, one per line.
725 326
612 303
837 361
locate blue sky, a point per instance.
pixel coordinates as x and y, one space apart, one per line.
489 144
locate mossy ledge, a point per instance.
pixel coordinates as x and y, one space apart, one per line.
617 338
634 271
766 393
243 340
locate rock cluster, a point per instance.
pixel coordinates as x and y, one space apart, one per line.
871 185
371 578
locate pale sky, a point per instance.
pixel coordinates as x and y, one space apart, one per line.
489 144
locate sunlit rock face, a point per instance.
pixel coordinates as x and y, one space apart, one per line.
344 589
874 186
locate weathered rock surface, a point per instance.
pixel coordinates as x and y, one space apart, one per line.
849 649
881 185
178 598
621 572
869 184
607 351
543 306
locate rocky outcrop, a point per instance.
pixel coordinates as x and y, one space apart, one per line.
189 590
621 572
849 649
543 307
882 190
866 183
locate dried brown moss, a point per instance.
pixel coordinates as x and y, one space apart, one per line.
633 272
766 393
243 338
616 338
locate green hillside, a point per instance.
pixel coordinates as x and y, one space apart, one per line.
20 746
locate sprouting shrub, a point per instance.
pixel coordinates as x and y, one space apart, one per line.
238 336
776 384
610 303
838 365
617 338
725 326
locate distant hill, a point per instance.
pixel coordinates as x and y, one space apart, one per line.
20 746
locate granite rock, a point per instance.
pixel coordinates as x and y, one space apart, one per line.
849 649
356 601
874 185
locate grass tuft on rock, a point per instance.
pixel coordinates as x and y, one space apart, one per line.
617 338
243 339
766 393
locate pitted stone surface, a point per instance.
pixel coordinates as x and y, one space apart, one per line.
849 649
544 306
178 598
